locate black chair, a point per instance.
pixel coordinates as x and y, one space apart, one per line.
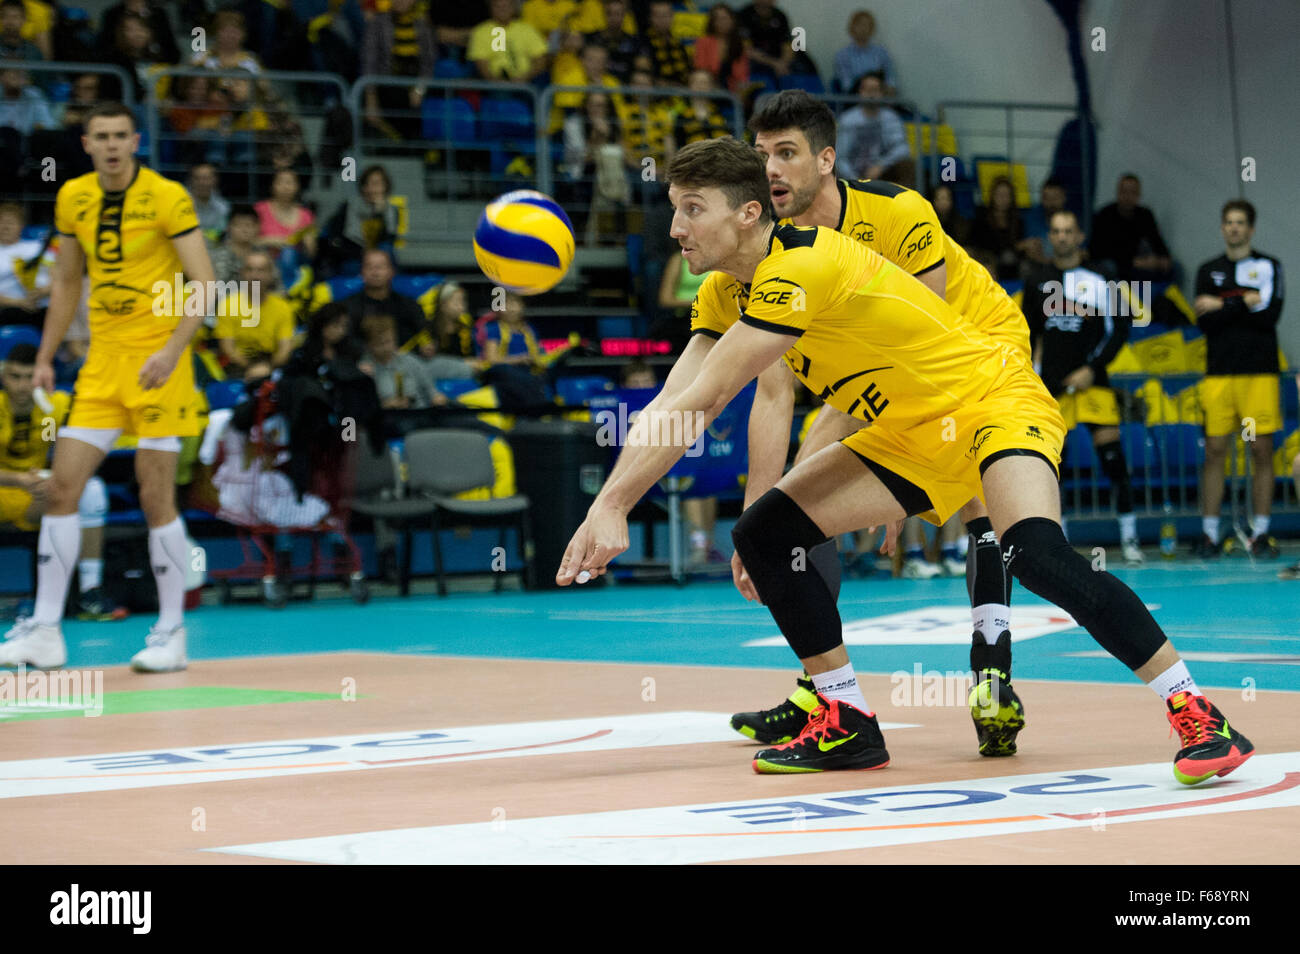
445 462
377 496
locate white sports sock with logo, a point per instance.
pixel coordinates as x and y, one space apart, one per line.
57 547
90 574
1210 526
1259 525
1128 527
841 684
169 556
990 619
1173 680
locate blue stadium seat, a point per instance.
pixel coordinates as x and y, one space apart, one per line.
449 120
455 387
35 233
576 391
448 68
11 335
500 119
224 394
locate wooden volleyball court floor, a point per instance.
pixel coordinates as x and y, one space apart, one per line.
591 726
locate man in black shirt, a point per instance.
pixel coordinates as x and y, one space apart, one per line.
1238 303
378 298
1078 322
623 48
1126 235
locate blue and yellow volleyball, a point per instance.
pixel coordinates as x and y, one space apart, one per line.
524 242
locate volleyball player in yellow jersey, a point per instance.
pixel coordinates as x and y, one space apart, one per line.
795 135
954 414
131 229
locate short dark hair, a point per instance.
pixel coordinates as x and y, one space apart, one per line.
727 164
1053 183
1130 175
870 74
796 109
372 170
108 110
242 210
22 353
1239 205
372 326
17 4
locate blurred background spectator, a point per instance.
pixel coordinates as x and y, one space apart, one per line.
162 38
1052 199
621 45
13 46
1125 234
954 224
258 322
401 380
24 271
363 221
241 238
505 47
723 50
284 223
997 229
701 118
871 143
672 62
377 297
398 42
210 206
446 344
863 55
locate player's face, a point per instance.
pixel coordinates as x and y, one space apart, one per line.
705 226
1237 230
17 382
110 142
11 228
793 172
1065 235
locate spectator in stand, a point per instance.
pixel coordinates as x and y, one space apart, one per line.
723 50
998 230
586 132
953 223
401 380
505 47
259 322
701 118
647 122
212 209
281 145
1238 303
1125 234
871 143
163 40
134 50
862 56
23 107
446 344
228 34
13 46
1051 200
364 221
586 69
672 62
553 19
623 47
508 339
377 297
284 222
24 272
771 49
398 43
196 109
241 240
82 98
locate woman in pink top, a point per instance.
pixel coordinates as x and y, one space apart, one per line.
722 51
284 222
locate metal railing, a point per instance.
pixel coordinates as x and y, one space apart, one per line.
1019 138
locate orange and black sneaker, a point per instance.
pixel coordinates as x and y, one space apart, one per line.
782 723
838 736
1210 745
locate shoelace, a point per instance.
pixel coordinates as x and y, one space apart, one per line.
818 725
1192 722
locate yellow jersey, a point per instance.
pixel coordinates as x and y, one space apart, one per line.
127 239
256 331
873 342
25 443
901 225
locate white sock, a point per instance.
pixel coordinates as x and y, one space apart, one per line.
1173 680
699 539
1259 526
841 684
1128 527
1210 527
169 556
990 619
90 574
57 547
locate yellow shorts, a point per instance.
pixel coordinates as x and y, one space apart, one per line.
1090 406
108 396
1229 399
14 503
942 457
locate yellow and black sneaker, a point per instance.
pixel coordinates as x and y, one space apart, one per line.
995 708
1263 547
782 723
838 736
1210 745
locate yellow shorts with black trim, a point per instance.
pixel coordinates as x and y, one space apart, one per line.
1230 399
943 456
108 395
1097 406
14 504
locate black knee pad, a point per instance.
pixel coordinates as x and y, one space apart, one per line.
987 580
1036 553
1115 467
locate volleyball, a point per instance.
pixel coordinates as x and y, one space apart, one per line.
524 242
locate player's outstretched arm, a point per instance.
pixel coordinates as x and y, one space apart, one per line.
197 267
738 357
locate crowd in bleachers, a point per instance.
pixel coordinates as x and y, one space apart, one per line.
329 294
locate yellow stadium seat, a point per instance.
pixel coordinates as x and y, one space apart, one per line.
1162 354
1125 362
1161 408
987 171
